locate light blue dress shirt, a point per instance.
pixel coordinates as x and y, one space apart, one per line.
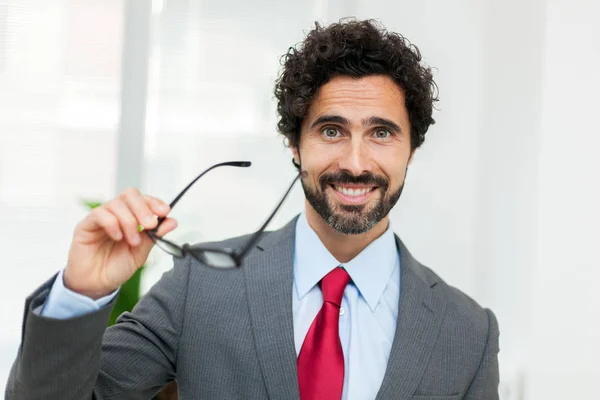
63 303
367 317
369 306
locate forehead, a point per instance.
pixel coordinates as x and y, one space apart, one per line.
356 98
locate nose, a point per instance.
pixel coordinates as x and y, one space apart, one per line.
355 157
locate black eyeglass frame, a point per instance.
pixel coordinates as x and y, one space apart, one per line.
198 251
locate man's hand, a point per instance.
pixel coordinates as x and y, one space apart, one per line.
107 247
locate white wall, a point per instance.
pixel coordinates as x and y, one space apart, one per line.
504 252
565 313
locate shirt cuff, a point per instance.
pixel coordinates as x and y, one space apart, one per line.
63 303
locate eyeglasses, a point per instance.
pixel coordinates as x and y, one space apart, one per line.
214 256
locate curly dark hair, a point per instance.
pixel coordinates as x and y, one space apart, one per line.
357 49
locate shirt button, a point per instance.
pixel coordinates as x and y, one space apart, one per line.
341 311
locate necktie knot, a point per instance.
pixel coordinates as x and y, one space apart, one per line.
333 286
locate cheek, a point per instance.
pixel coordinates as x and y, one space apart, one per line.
323 153
317 159
394 169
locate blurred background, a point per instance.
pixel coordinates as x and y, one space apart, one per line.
502 200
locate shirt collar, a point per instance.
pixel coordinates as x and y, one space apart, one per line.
370 270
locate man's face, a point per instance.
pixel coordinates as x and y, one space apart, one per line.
355 148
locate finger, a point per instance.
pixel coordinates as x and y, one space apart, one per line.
158 206
139 207
127 221
107 221
167 226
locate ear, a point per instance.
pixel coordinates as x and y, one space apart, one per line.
296 154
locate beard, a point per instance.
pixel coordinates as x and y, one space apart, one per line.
357 218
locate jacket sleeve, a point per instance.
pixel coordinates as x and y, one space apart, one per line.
485 383
77 358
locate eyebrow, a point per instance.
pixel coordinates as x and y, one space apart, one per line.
382 122
324 119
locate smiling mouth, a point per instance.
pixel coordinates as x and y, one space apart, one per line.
353 194
353 191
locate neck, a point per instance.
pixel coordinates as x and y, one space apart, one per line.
343 247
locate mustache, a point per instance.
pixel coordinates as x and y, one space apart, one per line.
345 177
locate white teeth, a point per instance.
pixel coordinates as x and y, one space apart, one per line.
352 192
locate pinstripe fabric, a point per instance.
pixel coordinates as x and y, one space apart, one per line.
229 335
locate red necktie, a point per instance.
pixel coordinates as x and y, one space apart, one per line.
321 360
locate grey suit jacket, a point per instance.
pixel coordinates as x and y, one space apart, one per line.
229 335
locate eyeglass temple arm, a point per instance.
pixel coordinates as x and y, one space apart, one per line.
180 195
256 236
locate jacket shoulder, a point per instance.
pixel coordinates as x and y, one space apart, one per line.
461 308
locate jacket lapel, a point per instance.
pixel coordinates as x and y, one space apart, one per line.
420 314
269 284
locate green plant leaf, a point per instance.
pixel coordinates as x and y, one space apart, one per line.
91 204
128 296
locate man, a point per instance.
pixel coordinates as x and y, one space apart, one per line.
332 306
